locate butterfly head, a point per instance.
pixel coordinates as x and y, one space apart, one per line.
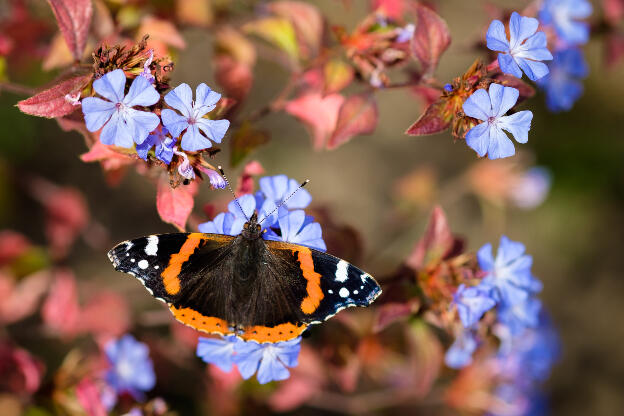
252 229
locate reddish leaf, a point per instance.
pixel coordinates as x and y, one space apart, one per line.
234 76
426 355
105 314
431 38
174 205
55 102
615 49
20 299
338 75
613 10
74 19
435 244
245 182
432 121
12 245
61 311
319 113
90 398
307 21
394 9
358 115
20 372
389 313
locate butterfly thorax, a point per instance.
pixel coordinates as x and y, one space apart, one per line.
252 230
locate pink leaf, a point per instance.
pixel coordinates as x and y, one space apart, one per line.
392 312
394 9
90 398
74 19
174 205
55 102
358 115
431 38
435 244
105 314
307 21
61 311
20 299
319 113
432 121
613 10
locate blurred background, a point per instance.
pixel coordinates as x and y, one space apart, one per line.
385 185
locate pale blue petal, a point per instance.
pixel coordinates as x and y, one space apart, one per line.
96 112
214 129
143 122
534 70
181 98
485 257
267 214
111 85
478 138
503 99
520 28
581 9
217 351
535 48
274 187
116 132
247 203
508 65
205 97
518 125
271 369
193 140
496 37
174 122
459 355
143 148
311 235
291 224
500 145
472 303
141 92
288 351
508 250
478 105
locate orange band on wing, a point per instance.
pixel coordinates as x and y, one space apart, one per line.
312 301
171 281
200 322
279 333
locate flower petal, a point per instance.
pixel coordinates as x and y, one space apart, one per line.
500 145
141 92
478 138
271 369
518 125
217 351
485 257
193 140
520 28
111 85
503 99
508 251
96 112
116 132
311 235
144 148
508 65
533 69
478 105
143 123
496 37
535 48
214 129
205 97
174 122
291 224
181 98
248 204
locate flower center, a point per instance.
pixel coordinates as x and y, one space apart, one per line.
191 121
491 120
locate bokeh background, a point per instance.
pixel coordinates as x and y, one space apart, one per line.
576 236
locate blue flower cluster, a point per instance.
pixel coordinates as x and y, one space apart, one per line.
269 361
568 68
131 369
287 223
529 345
124 125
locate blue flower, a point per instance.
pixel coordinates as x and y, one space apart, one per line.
564 15
472 303
163 142
218 351
131 369
271 361
490 107
459 355
562 85
509 273
296 227
192 119
279 187
216 180
123 125
519 316
406 33
525 48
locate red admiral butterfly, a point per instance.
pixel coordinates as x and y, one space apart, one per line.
260 290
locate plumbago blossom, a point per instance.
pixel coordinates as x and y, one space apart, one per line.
123 125
491 107
131 368
563 84
565 16
524 50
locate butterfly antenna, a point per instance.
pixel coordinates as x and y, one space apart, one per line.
304 183
232 191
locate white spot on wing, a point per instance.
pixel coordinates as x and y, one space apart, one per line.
344 292
143 264
129 245
132 260
355 292
156 267
364 277
330 291
152 245
342 271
